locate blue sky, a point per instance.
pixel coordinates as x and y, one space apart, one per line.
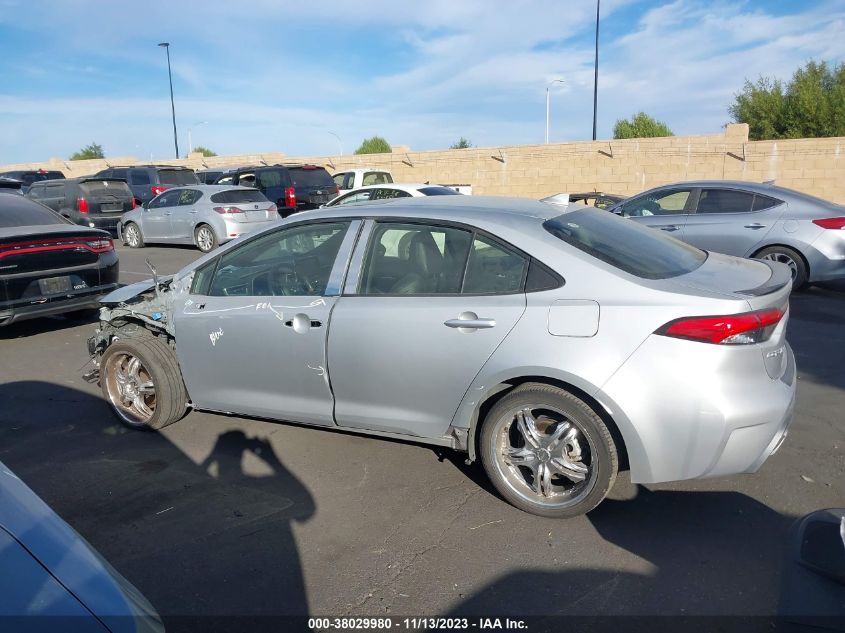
270 75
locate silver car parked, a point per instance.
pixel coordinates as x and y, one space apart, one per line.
749 219
552 344
203 215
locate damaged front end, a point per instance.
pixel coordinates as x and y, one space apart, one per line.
143 309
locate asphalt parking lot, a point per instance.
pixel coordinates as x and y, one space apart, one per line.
227 516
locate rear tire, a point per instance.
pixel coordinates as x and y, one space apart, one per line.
132 236
204 238
791 258
547 452
141 379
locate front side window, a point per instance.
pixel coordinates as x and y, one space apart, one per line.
665 202
340 179
415 259
626 245
167 199
226 180
355 198
295 261
724 201
377 178
247 180
120 174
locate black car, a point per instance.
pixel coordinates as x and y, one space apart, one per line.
29 176
93 202
292 187
10 185
48 265
208 176
147 181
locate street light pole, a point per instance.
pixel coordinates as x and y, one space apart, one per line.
596 76
339 142
166 46
553 81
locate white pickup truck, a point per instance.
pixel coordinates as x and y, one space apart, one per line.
355 178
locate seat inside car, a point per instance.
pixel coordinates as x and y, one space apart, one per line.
426 264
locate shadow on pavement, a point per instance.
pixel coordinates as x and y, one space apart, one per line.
208 539
54 323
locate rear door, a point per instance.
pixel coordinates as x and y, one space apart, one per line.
252 333
413 328
731 221
665 209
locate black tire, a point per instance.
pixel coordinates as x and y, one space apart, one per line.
158 365
791 258
131 226
206 246
603 459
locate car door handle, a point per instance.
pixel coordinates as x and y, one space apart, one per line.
669 227
193 211
756 225
314 323
471 324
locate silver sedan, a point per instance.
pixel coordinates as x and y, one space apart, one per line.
555 345
203 215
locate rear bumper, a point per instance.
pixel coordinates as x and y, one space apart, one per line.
46 307
690 410
105 222
826 256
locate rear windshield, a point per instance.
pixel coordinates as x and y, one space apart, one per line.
626 245
177 177
234 196
303 177
105 188
19 211
438 191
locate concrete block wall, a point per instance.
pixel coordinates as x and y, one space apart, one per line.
626 167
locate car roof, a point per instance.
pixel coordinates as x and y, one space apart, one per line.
763 188
212 188
358 170
469 209
406 186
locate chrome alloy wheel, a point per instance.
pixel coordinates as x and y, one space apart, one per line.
132 236
130 388
783 258
205 239
544 456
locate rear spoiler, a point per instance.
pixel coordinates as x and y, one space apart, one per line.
781 275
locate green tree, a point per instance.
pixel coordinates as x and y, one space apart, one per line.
641 125
374 145
93 150
204 151
461 143
811 104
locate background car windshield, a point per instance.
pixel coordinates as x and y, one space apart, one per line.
626 245
177 177
438 191
18 211
311 178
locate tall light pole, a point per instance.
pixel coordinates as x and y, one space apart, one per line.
190 144
339 142
166 46
553 81
596 76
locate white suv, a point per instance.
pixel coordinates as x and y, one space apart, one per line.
355 178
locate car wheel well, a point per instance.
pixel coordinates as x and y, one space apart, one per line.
501 390
792 248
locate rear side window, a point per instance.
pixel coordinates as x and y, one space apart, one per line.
724 201
310 177
177 177
266 179
16 210
762 202
493 269
626 245
233 196
122 174
438 191
140 177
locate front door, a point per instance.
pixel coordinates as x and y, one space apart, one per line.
156 218
183 215
252 332
417 322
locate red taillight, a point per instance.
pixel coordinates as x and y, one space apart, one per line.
225 210
272 210
732 329
337 189
134 204
830 223
100 245
290 197
157 189
82 205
